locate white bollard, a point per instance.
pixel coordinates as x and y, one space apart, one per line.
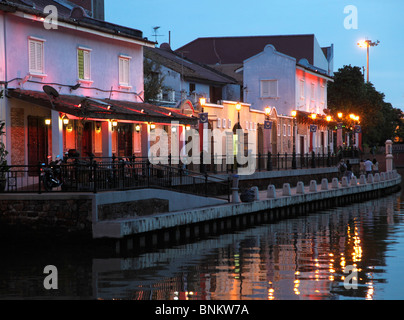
324 184
377 177
313 186
354 181
344 182
300 188
362 179
271 191
286 190
370 178
335 183
382 176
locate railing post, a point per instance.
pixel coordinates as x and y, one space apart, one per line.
206 184
39 178
95 177
259 161
148 172
286 160
269 161
313 159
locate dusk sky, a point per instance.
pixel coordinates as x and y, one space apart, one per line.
188 20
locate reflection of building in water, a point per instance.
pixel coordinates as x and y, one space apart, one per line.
302 258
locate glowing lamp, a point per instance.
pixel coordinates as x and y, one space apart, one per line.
65 120
137 128
238 106
114 123
47 122
202 101
294 113
188 127
313 116
152 126
328 118
339 115
363 44
267 111
352 116
174 129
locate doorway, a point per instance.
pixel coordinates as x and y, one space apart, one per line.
37 143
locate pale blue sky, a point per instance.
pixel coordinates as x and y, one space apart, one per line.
188 20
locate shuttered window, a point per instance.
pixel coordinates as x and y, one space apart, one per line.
84 64
269 88
36 56
124 64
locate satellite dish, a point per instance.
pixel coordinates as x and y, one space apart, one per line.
50 91
78 13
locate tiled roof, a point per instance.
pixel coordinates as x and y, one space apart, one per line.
234 50
36 7
189 69
87 107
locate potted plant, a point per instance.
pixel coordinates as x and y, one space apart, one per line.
3 160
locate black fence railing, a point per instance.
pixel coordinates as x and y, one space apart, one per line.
90 175
185 174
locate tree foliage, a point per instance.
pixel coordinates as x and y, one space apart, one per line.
153 80
349 93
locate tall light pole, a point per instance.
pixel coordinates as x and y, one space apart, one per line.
367 44
294 114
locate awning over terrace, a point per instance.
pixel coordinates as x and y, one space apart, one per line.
103 109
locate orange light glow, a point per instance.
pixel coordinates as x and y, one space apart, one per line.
294 113
238 106
328 118
313 116
202 101
340 115
267 110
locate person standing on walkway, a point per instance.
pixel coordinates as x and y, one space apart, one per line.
342 168
368 167
375 166
348 173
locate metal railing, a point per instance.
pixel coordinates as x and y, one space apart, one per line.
95 174
90 175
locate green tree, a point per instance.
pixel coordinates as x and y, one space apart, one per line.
153 79
349 93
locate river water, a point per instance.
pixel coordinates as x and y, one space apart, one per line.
295 259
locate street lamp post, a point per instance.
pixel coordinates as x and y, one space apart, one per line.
367 44
294 113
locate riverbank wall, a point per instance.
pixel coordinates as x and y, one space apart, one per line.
164 214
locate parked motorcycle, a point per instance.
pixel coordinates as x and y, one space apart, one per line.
51 174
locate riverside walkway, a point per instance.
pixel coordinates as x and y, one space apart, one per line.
268 205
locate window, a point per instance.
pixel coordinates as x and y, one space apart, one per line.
192 87
322 94
269 88
224 123
229 123
289 130
284 130
218 122
279 130
301 89
313 98
36 56
124 67
84 64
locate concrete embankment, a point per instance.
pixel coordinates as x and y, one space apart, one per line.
270 203
124 214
